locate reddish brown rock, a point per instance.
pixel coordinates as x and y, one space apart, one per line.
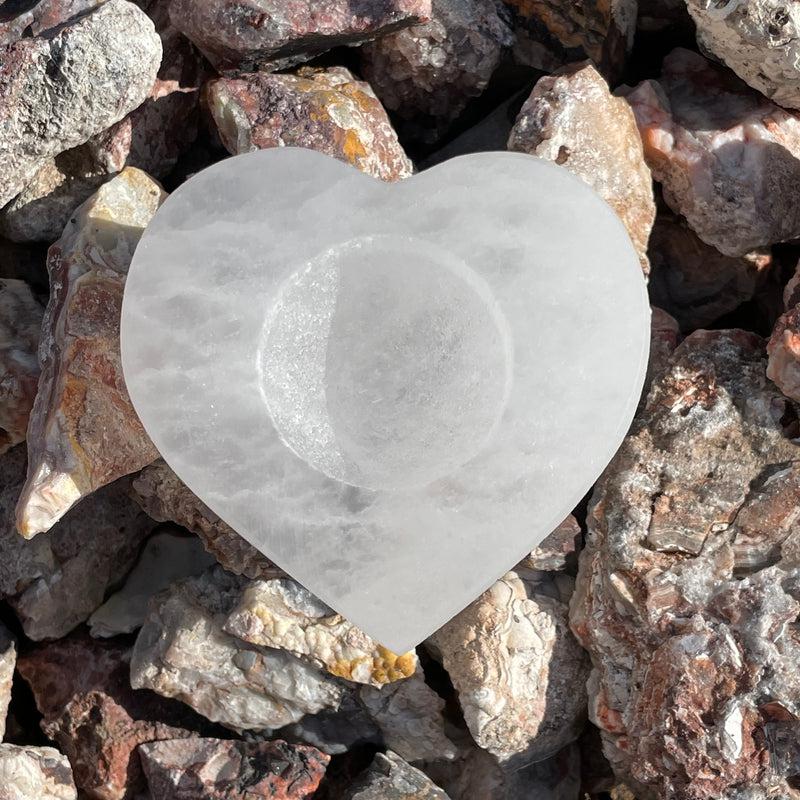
188 769
694 281
20 327
40 17
559 550
550 34
327 110
784 353
83 691
84 432
571 118
56 581
428 73
688 587
164 496
273 34
728 159
664 337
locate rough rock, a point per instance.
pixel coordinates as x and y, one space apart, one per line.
784 353
20 326
428 73
664 337
280 613
187 769
571 118
166 557
694 281
478 776
727 157
57 91
518 671
183 652
558 551
82 689
40 17
271 34
391 778
688 586
327 110
757 39
56 581
164 496
550 34
150 138
34 773
83 431
8 660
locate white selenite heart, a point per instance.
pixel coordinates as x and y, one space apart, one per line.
394 391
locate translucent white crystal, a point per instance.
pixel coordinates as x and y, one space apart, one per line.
394 391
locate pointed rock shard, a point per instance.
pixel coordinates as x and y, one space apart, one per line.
84 432
20 327
391 778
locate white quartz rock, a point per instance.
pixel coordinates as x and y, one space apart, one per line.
166 557
35 773
393 391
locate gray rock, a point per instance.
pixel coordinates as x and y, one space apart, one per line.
56 92
391 778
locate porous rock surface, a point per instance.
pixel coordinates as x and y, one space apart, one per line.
166 498
517 669
428 73
56 581
572 118
82 689
215 769
726 157
35 773
688 587
83 431
327 110
57 91
274 34
757 39
550 34
390 778
20 326
8 660
694 281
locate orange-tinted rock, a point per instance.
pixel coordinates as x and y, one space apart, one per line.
688 585
215 769
327 110
245 34
84 432
572 118
784 353
20 327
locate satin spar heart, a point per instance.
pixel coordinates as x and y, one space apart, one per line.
393 391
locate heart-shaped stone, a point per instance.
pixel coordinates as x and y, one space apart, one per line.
393 391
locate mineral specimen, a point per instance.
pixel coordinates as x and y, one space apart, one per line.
757 39
215 769
166 557
34 773
20 326
428 73
727 158
56 91
391 778
550 34
518 670
694 281
270 33
282 614
327 110
83 431
55 582
162 494
8 660
688 587
81 688
571 118
351 379
784 353
183 652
